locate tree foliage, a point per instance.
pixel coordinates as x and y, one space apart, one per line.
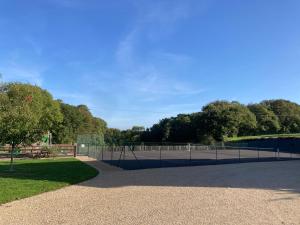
288 114
77 120
227 119
26 113
222 119
267 121
114 136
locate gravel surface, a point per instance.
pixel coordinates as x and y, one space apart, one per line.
249 193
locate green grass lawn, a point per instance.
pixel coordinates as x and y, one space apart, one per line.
263 136
32 177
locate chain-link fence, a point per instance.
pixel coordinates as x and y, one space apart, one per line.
154 156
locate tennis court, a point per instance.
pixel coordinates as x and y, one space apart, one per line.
155 156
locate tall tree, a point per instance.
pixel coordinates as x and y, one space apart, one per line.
113 136
26 113
161 131
288 114
181 129
267 121
78 120
226 119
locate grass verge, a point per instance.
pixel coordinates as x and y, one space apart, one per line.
33 177
263 136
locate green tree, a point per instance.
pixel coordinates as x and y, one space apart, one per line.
227 119
181 128
26 113
113 136
131 135
267 121
90 124
161 131
78 120
288 114
138 129
67 130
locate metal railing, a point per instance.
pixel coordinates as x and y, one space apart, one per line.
153 156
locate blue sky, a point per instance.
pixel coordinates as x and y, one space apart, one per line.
134 62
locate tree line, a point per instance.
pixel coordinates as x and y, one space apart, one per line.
27 112
221 119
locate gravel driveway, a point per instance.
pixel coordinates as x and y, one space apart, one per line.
249 193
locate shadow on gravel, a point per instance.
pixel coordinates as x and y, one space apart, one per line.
283 176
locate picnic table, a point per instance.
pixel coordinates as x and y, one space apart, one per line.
38 154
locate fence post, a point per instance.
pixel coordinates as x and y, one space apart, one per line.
111 154
98 152
190 151
278 154
159 155
75 150
88 149
124 152
257 154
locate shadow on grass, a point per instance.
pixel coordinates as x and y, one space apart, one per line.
66 170
32 177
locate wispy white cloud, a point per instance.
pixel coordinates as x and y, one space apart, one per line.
22 64
160 19
149 81
138 77
125 53
126 118
173 57
13 71
69 95
149 73
74 98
